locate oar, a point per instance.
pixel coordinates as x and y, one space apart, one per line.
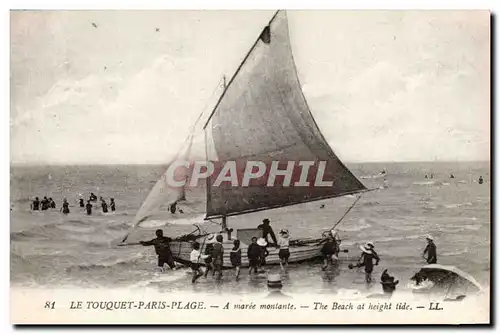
130 244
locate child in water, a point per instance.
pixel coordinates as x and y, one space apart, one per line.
209 248
263 253
195 258
253 254
236 257
284 244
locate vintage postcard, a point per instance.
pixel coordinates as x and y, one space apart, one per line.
250 167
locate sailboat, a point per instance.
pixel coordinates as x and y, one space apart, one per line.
261 115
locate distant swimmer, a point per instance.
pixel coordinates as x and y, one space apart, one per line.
112 204
93 197
322 206
65 207
104 205
426 176
82 204
430 250
45 203
52 203
452 176
480 180
173 207
88 207
432 176
35 206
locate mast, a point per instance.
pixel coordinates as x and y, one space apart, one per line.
236 73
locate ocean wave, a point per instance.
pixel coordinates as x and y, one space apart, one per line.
73 228
136 260
364 223
459 252
24 235
119 227
457 205
424 183
371 203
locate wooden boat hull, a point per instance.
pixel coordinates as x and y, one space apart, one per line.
307 250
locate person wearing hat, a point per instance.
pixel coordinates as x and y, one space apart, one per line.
336 241
328 250
430 250
162 249
274 286
368 255
253 255
209 249
267 230
262 243
284 245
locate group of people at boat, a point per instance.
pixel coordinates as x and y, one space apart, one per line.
47 203
213 254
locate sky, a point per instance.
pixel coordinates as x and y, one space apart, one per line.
112 87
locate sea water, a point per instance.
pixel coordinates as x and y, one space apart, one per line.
49 249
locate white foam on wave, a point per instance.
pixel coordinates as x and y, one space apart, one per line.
167 277
459 252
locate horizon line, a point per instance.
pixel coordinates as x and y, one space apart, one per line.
27 164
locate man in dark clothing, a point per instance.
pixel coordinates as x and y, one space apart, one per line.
162 248
45 203
267 229
104 205
112 204
218 256
328 249
65 207
82 205
430 250
36 204
253 254
88 207
93 197
52 203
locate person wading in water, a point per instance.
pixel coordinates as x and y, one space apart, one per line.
267 230
284 245
36 204
162 248
430 250
88 207
368 255
253 254
112 205
218 256
104 205
65 207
